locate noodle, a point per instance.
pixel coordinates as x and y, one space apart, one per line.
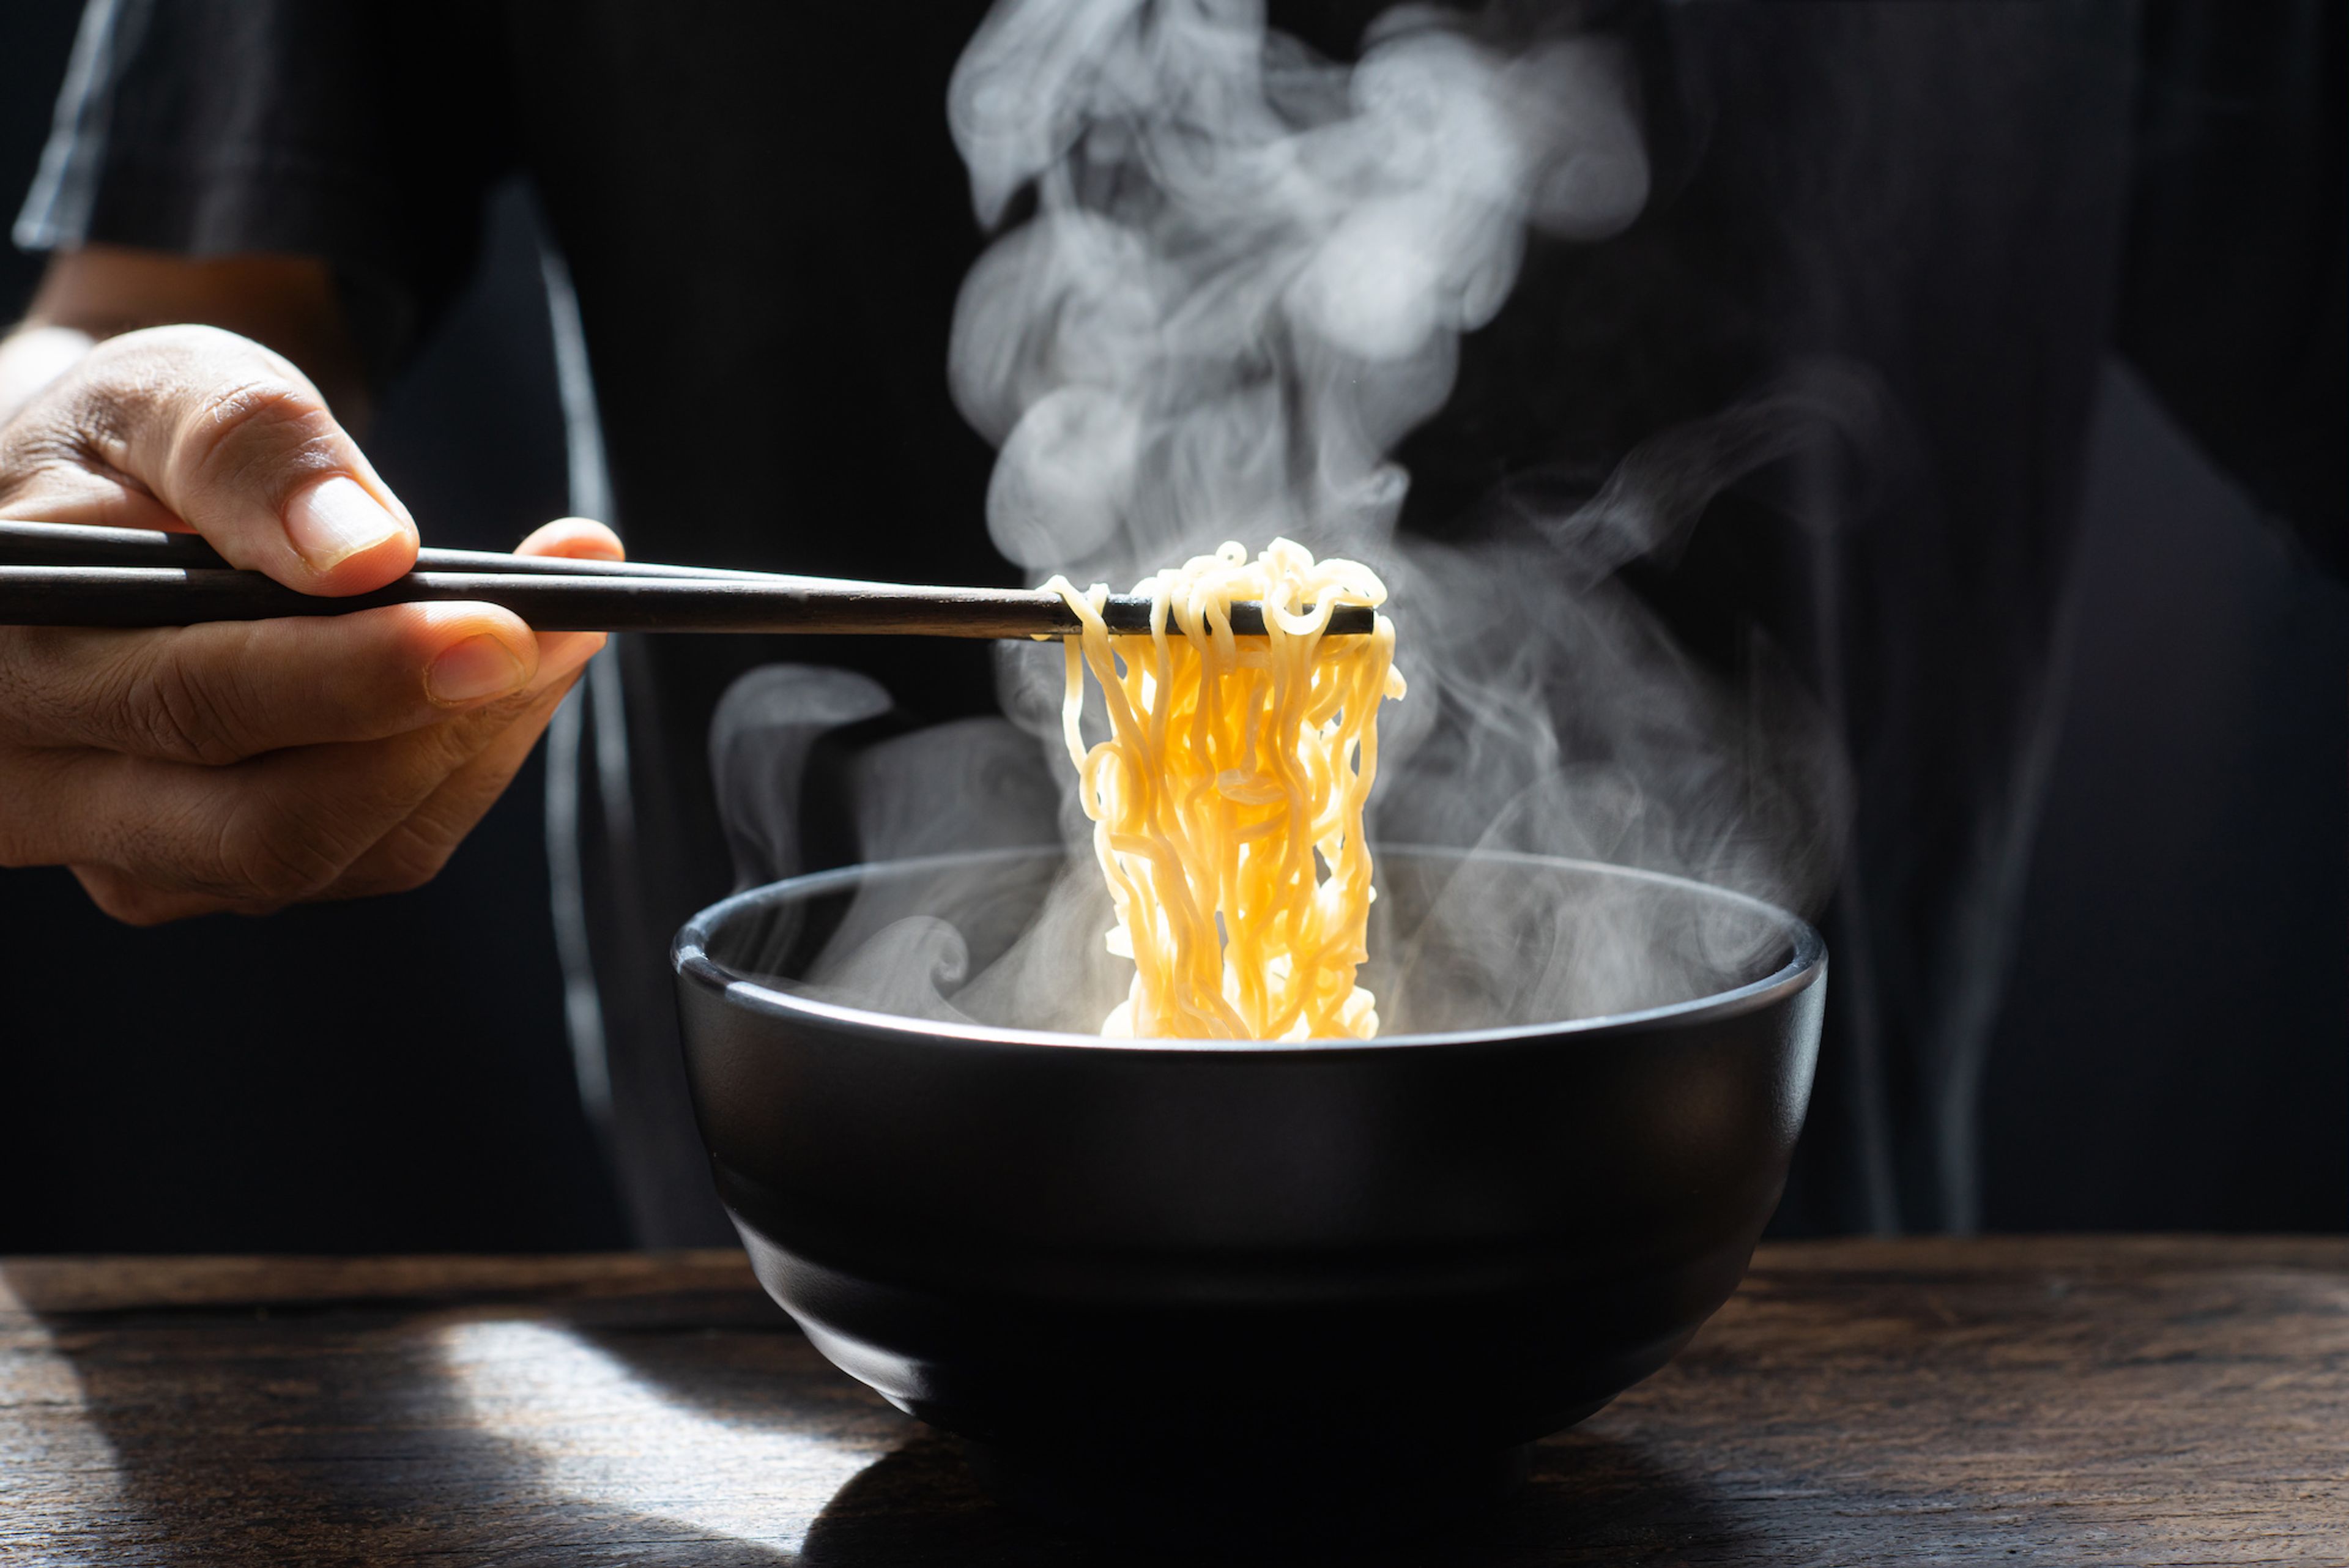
1227 802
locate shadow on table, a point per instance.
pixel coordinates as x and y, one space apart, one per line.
686 1430
1589 1500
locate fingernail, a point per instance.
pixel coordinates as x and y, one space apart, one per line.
476 668
333 520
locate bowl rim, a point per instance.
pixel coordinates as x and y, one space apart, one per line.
688 955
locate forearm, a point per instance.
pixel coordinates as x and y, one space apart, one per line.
285 303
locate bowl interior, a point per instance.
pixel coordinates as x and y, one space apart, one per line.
1459 941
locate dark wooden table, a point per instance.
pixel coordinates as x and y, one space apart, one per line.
2050 1400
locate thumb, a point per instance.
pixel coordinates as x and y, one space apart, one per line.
235 443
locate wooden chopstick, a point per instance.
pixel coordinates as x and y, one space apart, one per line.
82 545
181 596
66 573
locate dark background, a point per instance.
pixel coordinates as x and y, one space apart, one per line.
2182 977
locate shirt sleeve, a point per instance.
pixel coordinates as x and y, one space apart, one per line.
367 132
2232 302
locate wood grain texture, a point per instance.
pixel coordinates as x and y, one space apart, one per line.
2166 1401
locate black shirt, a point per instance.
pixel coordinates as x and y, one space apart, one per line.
1895 242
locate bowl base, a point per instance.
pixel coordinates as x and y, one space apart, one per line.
1188 1502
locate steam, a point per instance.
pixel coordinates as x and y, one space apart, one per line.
1249 268
1241 277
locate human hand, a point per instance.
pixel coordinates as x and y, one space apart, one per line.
247 766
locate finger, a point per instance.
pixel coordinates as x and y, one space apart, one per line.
414 852
230 439
578 539
253 836
222 692
405 859
575 538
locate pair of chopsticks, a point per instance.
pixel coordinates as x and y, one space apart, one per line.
58 573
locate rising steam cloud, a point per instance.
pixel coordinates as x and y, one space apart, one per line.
1249 269
1231 276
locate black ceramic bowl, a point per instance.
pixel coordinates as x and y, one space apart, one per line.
1336 1279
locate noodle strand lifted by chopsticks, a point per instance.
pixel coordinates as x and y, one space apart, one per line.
1227 802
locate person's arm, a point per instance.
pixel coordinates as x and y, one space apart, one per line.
240 766
284 303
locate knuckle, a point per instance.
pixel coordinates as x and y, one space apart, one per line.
262 430
443 748
272 852
94 426
48 436
168 843
187 716
140 692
